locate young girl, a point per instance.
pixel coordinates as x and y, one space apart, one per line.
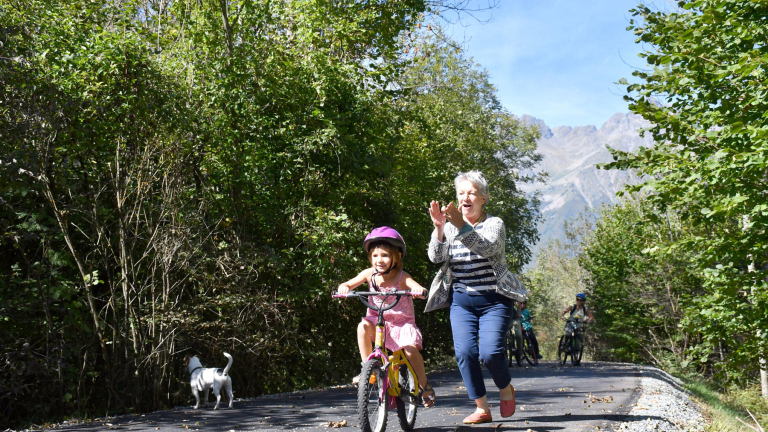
525 323
386 248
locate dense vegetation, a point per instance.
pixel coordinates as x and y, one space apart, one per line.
196 176
707 171
677 274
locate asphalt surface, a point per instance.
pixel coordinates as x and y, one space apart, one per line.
550 397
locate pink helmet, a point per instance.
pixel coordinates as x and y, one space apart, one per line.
385 234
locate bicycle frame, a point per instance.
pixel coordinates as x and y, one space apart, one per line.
391 364
577 326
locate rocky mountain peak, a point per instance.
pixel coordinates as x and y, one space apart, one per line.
543 128
575 185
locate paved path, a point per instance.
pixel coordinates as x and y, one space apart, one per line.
550 397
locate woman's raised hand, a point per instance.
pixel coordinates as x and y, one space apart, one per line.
453 215
437 215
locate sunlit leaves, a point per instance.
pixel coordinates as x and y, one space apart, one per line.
706 94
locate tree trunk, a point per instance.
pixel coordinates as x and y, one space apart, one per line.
763 371
87 277
227 28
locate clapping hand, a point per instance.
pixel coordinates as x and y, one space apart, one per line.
437 215
453 215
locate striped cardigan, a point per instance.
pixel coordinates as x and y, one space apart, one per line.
488 242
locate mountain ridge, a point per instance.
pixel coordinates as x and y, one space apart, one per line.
575 185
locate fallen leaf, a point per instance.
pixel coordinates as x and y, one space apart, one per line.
338 424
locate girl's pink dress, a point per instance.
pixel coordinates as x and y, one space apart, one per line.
400 321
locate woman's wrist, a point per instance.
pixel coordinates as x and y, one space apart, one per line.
439 234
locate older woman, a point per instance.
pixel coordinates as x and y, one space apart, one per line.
480 290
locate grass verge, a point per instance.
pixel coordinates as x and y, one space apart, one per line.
724 409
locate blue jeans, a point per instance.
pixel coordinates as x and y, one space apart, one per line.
479 325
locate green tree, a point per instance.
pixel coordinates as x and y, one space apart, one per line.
197 176
453 120
554 282
705 93
642 287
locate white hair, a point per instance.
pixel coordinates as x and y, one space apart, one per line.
476 178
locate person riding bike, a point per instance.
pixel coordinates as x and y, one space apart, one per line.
579 311
525 322
386 248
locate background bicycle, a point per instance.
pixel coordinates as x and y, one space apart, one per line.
571 343
514 340
528 351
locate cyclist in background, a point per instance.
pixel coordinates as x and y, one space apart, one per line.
579 311
525 322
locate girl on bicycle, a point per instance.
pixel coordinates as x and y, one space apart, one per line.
525 322
386 248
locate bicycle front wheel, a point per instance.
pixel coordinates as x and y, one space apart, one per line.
577 351
408 402
372 398
510 346
561 353
524 350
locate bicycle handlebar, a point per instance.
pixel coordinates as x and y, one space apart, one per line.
364 294
581 324
373 293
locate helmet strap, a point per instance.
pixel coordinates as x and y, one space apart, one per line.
391 267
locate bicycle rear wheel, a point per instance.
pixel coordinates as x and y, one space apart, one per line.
407 403
372 398
528 351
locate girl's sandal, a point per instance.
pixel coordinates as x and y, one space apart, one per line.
427 395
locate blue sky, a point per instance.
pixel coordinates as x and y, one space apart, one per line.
556 60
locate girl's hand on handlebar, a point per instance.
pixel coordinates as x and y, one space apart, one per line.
419 292
344 289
